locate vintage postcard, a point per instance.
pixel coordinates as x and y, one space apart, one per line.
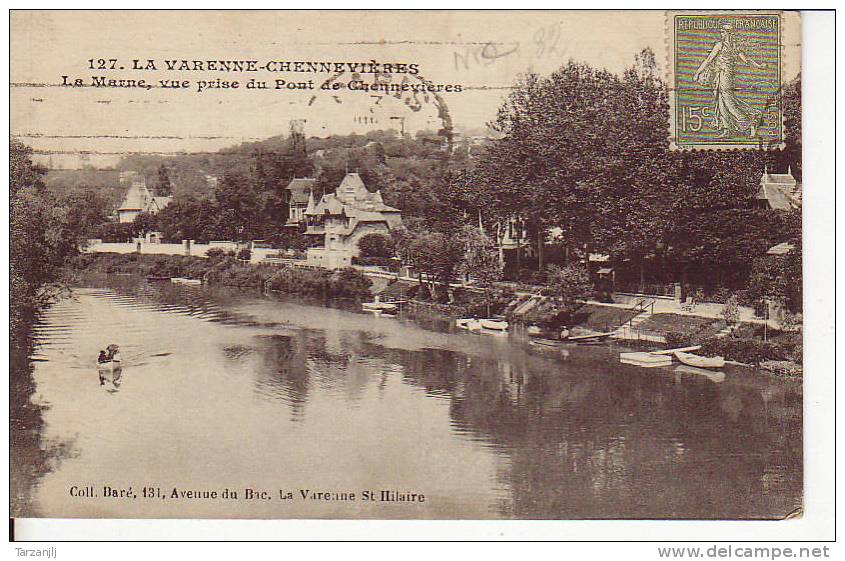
402 265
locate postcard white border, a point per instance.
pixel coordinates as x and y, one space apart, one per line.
818 73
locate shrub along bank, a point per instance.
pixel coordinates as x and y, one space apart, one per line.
748 345
228 271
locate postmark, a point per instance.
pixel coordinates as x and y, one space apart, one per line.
725 78
414 94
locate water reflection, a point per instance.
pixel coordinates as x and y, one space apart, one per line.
485 427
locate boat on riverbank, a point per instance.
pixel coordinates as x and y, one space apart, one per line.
494 324
470 324
590 337
378 306
645 359
698 361
186 281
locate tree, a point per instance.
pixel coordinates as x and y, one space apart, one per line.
145 222
730 311
376 245
117 232
587 151
433 253
45 233
778 278
163 187
240 204
568 285
481 261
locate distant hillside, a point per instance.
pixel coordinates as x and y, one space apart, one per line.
104 181
405 169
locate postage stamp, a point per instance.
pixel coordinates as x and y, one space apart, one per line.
725 77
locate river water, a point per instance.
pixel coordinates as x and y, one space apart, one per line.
228 389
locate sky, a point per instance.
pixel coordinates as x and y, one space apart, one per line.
483 52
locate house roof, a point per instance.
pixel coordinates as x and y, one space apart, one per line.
779 196
780 190
781 178
137 197
299 188
781 249
352 198
159 202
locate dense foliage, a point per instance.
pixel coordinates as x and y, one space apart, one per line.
227 270
586 151
47 230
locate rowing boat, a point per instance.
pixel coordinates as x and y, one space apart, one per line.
494 324
545 342
109 366
591 337
645 359
700 361
182 280
470 324
379 306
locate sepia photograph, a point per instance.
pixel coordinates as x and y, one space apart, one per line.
371 265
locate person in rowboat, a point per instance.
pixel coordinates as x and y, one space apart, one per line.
101 360
564 333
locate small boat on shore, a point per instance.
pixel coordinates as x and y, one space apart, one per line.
470 324
494 324
545 342
186 281
378 306
534 331
645 359
589 338
700 361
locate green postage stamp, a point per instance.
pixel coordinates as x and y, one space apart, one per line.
725 80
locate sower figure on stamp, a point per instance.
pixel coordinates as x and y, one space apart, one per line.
719 68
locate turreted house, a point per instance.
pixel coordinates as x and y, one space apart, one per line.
138 199
340 219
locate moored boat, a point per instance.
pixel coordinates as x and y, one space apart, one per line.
590 337
471 324
534 331
645 359
700 361
186 281
380 306
494 324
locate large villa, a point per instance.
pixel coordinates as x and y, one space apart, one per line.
340 219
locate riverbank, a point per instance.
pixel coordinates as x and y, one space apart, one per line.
775 351
228 271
